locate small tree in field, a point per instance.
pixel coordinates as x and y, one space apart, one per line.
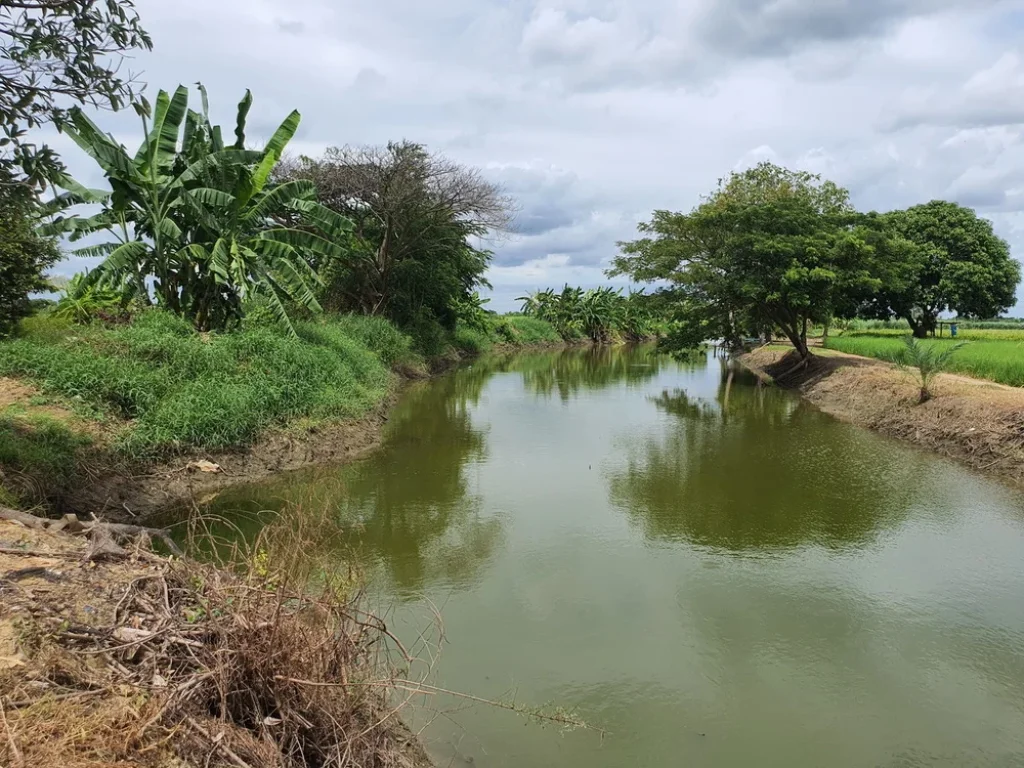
927 361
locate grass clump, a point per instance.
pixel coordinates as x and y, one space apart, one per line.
37 453
999 360
182 390
520 329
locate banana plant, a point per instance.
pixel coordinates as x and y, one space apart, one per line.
199 220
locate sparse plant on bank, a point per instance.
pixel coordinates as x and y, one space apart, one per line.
926 362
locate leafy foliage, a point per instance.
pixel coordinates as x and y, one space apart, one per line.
417 216
24 255
200 219
54 53
945 258
600 314
83 303
769 248
927 360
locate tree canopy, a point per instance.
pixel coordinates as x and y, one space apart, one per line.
417 216
55 54
949 259
202 221
24 255
769 248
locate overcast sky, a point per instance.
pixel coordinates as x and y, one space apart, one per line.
594 112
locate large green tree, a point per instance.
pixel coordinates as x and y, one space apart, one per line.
24 255
418 217
944 257
55 54
770 247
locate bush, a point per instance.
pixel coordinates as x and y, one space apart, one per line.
24 256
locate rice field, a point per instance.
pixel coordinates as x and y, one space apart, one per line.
991 354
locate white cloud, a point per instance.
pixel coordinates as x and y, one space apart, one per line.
595 112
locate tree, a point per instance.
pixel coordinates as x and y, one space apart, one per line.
946 258
24 255
53 54
416 215
202 220
769 247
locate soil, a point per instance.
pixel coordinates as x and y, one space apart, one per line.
977 423
114 663
129 494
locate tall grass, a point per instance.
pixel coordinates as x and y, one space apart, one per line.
182 390
1000 360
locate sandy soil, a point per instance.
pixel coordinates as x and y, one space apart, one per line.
978 423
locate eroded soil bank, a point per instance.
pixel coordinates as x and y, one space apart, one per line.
141 660
978 423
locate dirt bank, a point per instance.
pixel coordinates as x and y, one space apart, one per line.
978 423
140 660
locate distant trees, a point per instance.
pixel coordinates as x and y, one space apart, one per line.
417 219
773 249
54 54
943 257
768 248
599 314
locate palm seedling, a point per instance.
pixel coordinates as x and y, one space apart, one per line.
926 361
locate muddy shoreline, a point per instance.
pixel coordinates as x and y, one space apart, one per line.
979 424
118 491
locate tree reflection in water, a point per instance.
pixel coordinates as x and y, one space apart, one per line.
755 469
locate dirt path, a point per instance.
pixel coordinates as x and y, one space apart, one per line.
978 423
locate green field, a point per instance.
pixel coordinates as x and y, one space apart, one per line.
998 358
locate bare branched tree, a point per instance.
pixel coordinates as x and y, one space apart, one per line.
399 196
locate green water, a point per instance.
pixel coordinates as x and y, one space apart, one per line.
712 571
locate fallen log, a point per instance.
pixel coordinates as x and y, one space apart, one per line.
105 539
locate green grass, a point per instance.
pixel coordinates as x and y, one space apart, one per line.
510 330
181 390
520 329
37 453
998 359
969 333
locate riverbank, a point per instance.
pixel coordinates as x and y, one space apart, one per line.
117 656
977 423
127 421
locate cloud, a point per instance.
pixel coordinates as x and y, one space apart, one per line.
595 112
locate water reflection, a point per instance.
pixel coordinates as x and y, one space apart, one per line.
410 509
567 372
754 468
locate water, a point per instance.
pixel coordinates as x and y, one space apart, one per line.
713 571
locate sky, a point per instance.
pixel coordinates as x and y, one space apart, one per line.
593 113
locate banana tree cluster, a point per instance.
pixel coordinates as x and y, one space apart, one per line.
198 224
600 314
